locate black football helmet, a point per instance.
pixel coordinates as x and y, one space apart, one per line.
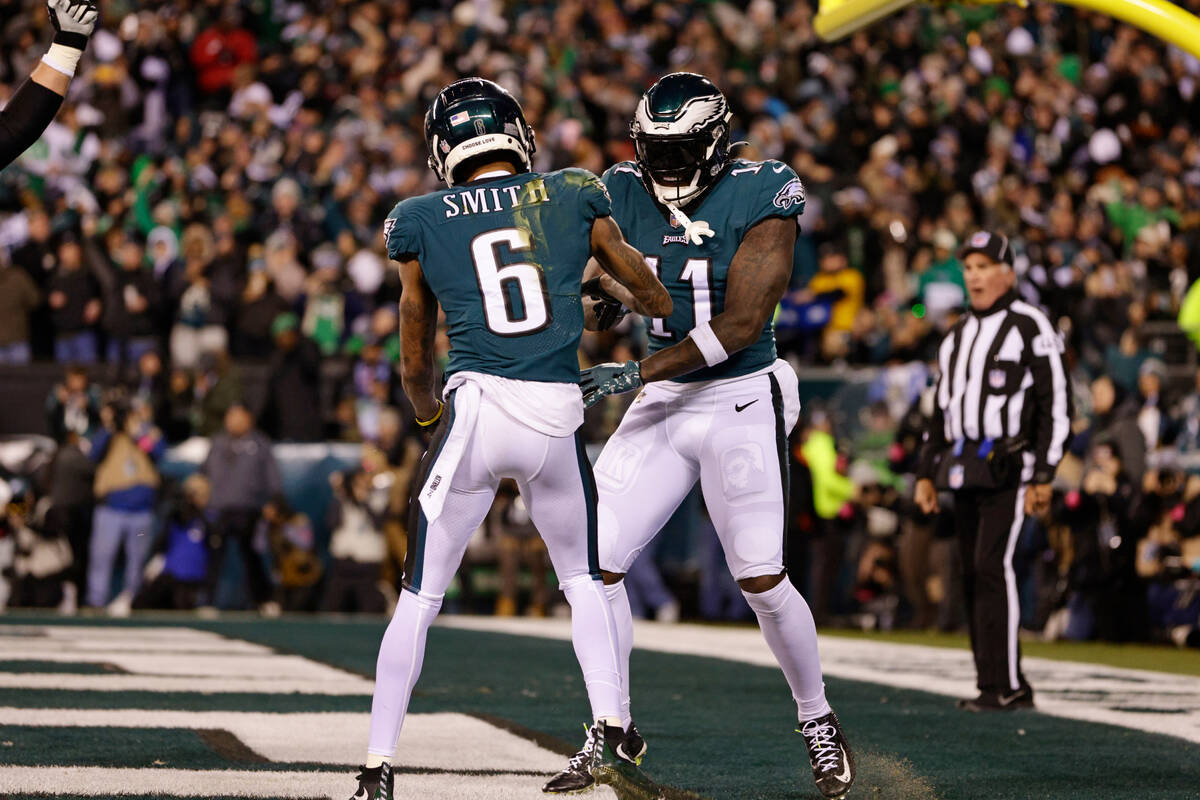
475 118
681 132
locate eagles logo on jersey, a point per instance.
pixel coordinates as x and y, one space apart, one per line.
790 194
471 122
681 132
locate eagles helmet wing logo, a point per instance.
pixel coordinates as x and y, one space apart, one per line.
791 194
692 116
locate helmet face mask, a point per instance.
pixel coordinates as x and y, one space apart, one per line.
472 121
681 132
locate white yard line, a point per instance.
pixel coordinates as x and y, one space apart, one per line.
430 741
1144 700
166 660
112 781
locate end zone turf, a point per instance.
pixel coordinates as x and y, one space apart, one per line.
718 728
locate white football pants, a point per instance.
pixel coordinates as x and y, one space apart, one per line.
555 479
732 436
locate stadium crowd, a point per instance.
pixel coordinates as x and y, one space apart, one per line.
212 195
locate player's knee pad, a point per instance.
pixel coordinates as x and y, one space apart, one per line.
579 583
413 599
772 601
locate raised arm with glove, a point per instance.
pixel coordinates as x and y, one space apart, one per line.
33 106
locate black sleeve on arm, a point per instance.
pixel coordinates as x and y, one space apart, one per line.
31 108
933 442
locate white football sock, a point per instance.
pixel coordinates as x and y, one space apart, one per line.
594 635
623 617
787 625
396 671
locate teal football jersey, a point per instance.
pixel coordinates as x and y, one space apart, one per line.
695 275
505 257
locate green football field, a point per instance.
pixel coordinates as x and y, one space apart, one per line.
169 706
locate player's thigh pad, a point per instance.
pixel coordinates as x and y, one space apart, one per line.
642 478
561 497
435 549
744 469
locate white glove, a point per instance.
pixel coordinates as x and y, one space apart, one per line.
73 21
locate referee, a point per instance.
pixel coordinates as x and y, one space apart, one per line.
1001 421
33 106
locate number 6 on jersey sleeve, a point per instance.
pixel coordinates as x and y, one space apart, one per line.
496 284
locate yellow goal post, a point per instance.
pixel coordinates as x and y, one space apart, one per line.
1167 21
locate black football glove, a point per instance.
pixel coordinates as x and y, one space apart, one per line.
609 310
73 21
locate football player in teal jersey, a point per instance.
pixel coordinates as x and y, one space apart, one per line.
716 404
502 250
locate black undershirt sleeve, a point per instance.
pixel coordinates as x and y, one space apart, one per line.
22 121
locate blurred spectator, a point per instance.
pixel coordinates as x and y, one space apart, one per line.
200 316
73 405
260 306
358 546
75 306
219 50
176 416
244 477
126 452
178 569
842 285
34 257
1152 418
41 559
940 284
832 493
218 388
67 485
147 385
130 306
18 298
1116 421
292 412
289 534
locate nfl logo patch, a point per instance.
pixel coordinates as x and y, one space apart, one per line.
459 118
674 223
997 379
956 476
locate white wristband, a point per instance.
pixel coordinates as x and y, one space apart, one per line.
62 59
709 345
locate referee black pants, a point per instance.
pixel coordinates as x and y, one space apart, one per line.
987 524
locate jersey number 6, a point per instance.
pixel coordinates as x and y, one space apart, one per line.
499 283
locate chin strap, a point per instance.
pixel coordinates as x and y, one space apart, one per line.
694 231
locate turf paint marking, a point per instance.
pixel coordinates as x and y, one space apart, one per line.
434 748
165 659
430 741
112 781
1154 702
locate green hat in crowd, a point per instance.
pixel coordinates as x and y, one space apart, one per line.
287 321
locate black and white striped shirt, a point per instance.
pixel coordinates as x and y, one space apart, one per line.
1001 376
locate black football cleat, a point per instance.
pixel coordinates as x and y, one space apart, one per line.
830 755
602 749
999 701
634 746
375 783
